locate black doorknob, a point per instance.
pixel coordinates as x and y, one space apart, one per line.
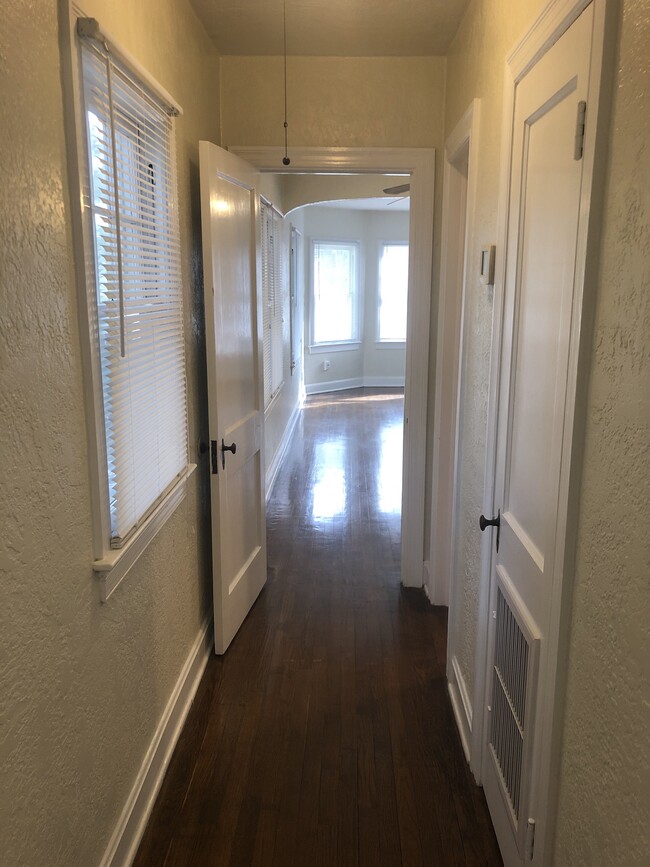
484 522
224 448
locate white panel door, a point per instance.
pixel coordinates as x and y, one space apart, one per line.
545 200
233 324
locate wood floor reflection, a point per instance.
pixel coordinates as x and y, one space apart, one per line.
325 735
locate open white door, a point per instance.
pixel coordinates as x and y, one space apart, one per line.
233 325
542 306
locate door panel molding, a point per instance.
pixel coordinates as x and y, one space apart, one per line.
419 163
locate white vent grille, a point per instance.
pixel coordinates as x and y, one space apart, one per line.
509 724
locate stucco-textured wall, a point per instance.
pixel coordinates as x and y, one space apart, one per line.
604 786
333 101
82 685
475 68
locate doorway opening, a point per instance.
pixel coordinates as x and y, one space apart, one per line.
345 350
416 166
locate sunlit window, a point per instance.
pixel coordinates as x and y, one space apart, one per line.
393 291
335 295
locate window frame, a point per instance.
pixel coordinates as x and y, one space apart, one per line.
387 343
356 341
111 564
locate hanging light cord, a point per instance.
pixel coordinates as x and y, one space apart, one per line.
285 160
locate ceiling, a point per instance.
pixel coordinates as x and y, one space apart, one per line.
332 28
383 203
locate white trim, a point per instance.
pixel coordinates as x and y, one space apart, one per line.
75 150
383 382
460 705
126 837
92 30
355 382
280 452
552 23
341 346
419 163
390 344
114 567
456 247
334 385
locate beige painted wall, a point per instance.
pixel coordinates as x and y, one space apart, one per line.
603 784
333 101
83 685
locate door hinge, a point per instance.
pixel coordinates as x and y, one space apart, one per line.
529 847
580 131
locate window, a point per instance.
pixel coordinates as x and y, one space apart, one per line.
393 292
273 299
133 292
335 304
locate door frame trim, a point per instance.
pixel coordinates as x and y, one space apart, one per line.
419 163
462 145
556 18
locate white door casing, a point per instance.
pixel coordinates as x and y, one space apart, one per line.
233 324
458 218
534 423
419 163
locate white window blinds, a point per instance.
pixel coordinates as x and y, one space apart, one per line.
135 287
274 294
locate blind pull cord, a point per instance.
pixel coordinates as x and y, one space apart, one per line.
118 232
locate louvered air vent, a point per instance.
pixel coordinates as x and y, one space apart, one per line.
515 653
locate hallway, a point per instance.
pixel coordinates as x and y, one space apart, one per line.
325 734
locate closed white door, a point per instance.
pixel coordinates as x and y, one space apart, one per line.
233 324
534 397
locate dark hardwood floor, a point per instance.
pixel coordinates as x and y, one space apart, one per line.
325 734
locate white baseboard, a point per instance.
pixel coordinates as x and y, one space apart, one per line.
383 381
281 450
126 838
426 580
355 382
462 707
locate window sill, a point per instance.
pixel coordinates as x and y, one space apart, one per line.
114 567
343 346
390 344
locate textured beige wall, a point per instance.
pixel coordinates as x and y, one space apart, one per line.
83 685
604 784
475 67
333 101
